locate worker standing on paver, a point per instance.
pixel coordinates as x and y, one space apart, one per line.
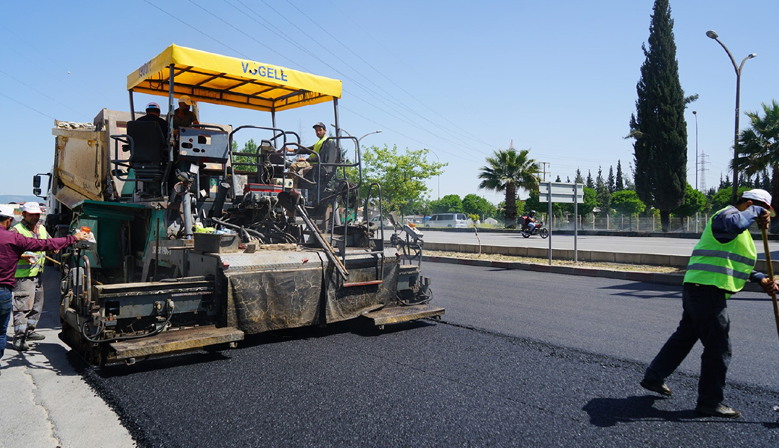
720 265
12 246
28 290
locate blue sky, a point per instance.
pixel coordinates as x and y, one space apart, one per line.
461 78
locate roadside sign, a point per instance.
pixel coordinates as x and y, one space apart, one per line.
561 192
565 193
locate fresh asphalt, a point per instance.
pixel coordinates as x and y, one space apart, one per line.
520 359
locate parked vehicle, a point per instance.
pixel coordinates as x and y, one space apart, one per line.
454 220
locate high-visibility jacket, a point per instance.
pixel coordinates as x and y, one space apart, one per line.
23 267
726 266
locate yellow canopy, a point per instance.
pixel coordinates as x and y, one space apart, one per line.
229 81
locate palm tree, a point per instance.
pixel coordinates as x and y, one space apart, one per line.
507 170
759 148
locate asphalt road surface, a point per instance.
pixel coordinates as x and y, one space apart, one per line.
640 245
520 359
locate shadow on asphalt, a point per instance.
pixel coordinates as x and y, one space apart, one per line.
606 412
646 290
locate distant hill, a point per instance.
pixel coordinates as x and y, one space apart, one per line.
18 198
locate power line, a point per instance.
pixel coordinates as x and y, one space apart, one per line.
354 81
29 107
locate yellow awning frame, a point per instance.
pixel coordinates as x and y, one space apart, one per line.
228 81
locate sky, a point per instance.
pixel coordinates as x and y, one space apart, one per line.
461 78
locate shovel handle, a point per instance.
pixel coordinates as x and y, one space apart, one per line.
771 276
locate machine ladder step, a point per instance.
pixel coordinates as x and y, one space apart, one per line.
174 341
398 314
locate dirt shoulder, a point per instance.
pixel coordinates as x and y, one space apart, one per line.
566 263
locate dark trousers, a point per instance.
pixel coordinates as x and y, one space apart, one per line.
5 314
705 318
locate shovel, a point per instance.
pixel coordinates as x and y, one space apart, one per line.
771 276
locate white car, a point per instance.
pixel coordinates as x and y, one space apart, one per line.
454 220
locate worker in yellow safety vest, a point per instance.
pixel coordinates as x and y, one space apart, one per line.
721 263
28 290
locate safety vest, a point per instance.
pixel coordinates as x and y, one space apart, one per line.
726 266
23 267
319 143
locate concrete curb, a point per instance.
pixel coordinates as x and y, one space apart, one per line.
635 276
650 277
674 261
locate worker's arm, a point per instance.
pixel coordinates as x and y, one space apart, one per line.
729 223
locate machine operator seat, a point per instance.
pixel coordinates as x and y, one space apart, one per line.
321 176
149 154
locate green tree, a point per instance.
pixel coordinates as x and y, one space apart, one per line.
759 149
448 203
579 179
724 197
627 202
694 202
590 183
611 182
245 163
477 205
658 126
620 185
507 171
603 195
402 176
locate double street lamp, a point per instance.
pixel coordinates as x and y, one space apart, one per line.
713 35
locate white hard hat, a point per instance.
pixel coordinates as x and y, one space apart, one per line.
32 207
6 211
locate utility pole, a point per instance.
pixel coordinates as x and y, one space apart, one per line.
543 168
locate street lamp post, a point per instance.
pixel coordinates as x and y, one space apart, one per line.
358 140
696 148
713 35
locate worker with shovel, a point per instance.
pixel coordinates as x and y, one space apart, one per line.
720 265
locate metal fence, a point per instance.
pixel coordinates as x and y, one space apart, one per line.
626 223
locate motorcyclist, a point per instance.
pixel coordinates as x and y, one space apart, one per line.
530 221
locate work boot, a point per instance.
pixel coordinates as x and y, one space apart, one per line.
32 335
20 344
656 386
720 410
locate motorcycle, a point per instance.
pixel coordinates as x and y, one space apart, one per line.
539 230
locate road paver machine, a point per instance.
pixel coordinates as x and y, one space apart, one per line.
197 244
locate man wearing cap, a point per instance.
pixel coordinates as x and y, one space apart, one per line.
183 116
153 114
324 149
12 246
28 290
720 264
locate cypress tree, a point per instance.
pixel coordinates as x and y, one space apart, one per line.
658 126
612 184
620 185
